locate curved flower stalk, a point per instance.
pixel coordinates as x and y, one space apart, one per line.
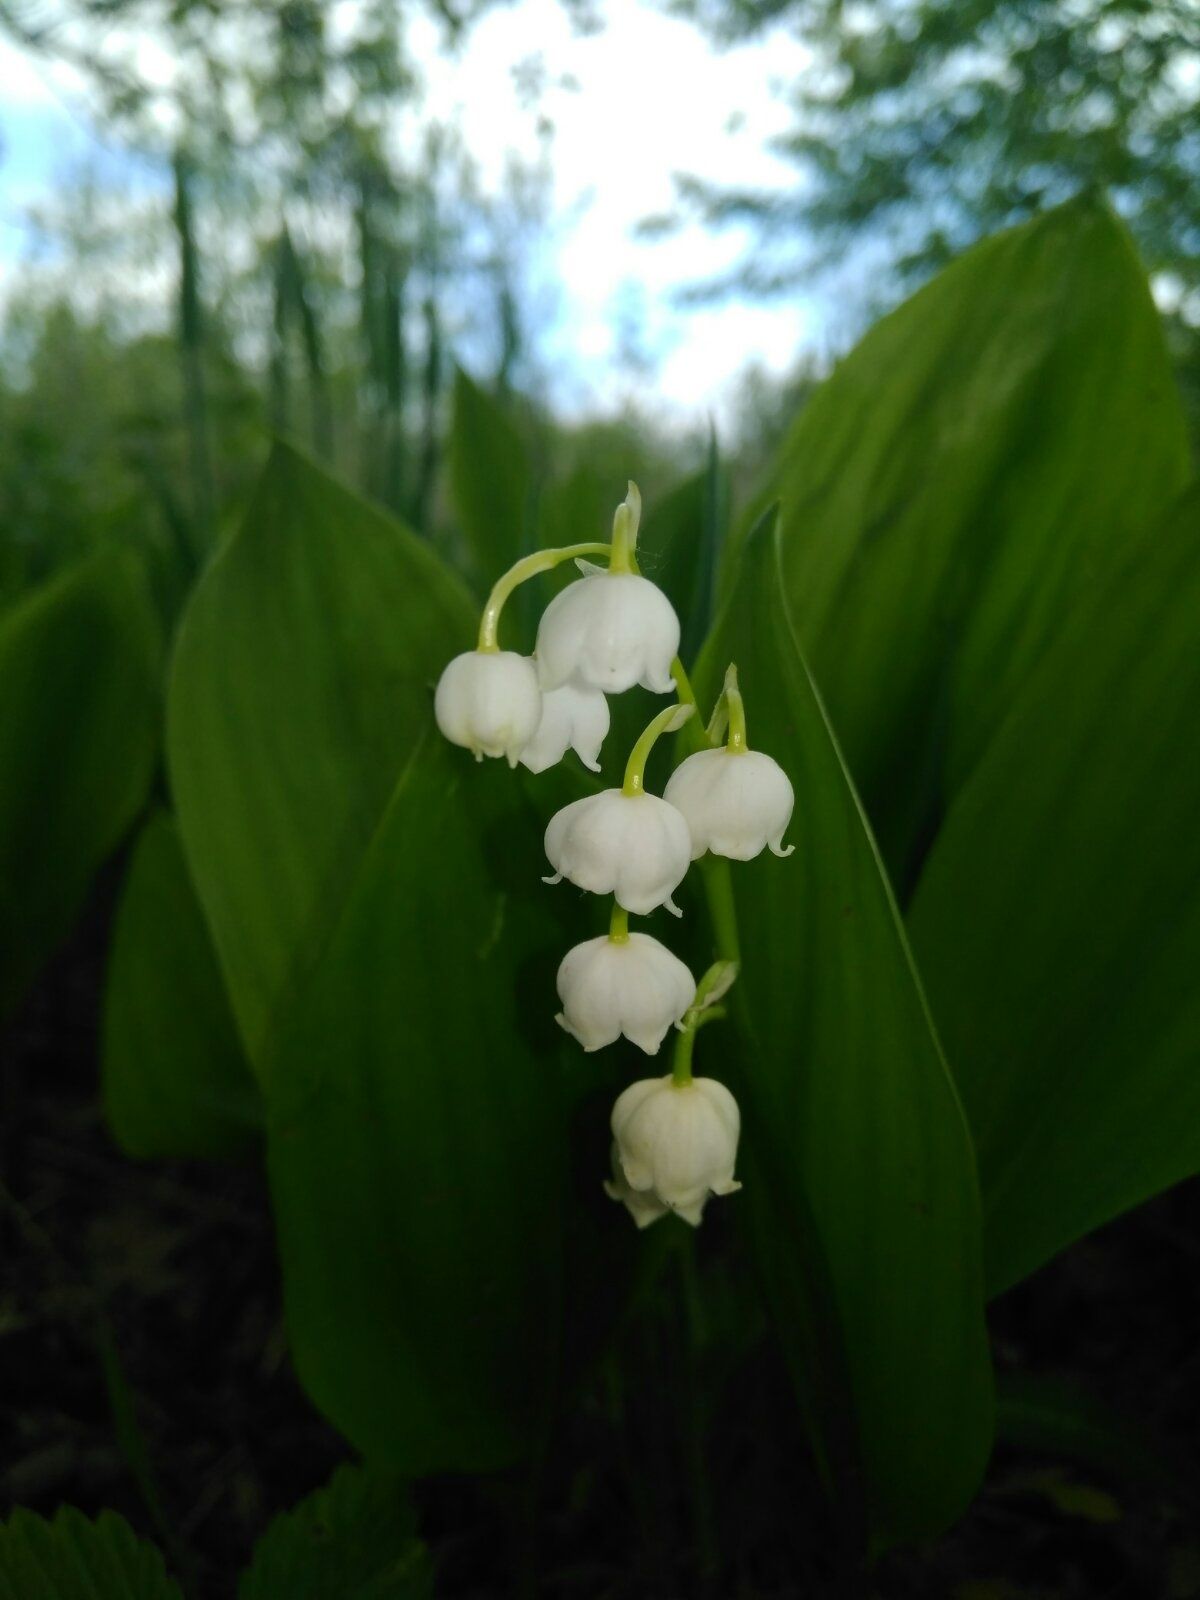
675 1138
487 699
737 802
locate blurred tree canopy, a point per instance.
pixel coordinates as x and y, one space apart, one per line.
324 249
922 124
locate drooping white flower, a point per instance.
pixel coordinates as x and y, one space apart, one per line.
572 718
677 1143
736 802
608 631
489 702
632 986
643 1206
633 846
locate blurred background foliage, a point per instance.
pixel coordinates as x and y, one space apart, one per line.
329 254
321 285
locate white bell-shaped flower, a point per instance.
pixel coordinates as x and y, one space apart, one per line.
736 802
632 986
633 846
489 702
643 1206
677 1143
608 631
572 718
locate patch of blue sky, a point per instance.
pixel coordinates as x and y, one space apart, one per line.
630 107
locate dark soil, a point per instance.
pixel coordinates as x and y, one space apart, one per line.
144 1367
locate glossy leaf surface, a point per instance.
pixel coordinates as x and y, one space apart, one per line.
985 457
860 1201
79 710
417 1144
490 480
1058 919
303 673
372 892
680 547
176 1082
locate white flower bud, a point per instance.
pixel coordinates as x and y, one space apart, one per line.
736 802
572 718
643 1206
608 631
489 702
677 1143
635 847
633 986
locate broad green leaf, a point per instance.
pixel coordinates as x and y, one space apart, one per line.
303 673
355 1539
860 1194
578 506
79 664
1058 918
490 481
72 1558
986 456
417 1141
680 547
176 1082
371 927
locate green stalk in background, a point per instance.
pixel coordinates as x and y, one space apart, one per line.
191 352
395 378
294 303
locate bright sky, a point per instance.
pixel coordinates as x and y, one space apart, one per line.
652 98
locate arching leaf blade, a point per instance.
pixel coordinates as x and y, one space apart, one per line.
175 1078
861 1198
1058 917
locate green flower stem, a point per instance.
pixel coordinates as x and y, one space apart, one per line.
665 722
714 870
681 1061
626 519
520 572
618 924
683 688
694 738
718 891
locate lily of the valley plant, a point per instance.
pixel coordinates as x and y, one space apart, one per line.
675 1137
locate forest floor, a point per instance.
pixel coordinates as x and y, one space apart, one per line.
144 1367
